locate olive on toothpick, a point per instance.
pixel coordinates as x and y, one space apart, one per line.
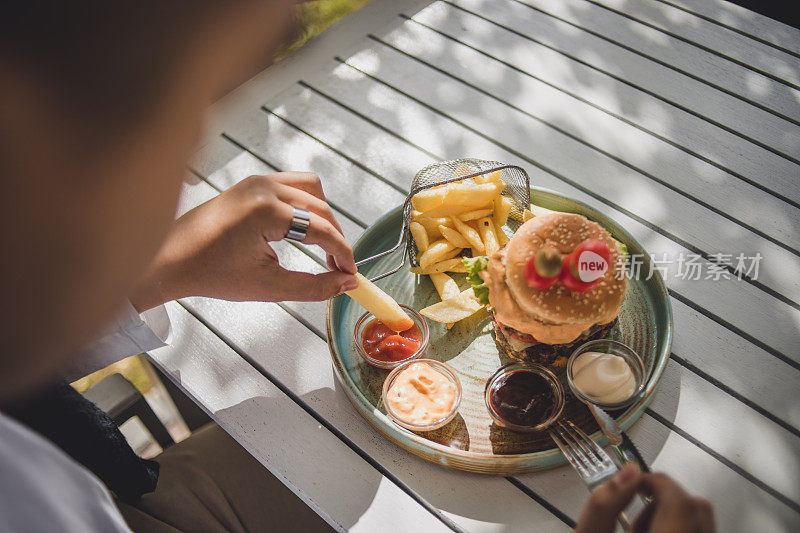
543 270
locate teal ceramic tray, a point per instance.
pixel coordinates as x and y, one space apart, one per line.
472 442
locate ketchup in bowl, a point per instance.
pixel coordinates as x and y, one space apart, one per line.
389 346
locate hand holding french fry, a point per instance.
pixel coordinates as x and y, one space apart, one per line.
380 304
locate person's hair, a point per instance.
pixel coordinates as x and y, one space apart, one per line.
104 59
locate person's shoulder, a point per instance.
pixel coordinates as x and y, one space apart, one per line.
43 489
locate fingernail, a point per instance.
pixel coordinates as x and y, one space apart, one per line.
349 285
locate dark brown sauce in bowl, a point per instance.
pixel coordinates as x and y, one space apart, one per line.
524 398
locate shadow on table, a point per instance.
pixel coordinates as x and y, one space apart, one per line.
321 477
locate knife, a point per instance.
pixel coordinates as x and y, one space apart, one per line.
620 443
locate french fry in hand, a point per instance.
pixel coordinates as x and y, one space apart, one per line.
454 237
453 309
502 208
474 215
470 234
380 304
420 236
443 266
435 253
488 235
445 285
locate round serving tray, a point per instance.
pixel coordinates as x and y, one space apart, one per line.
472 442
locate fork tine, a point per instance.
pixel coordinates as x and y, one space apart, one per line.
586 441
568 452
588 462
581 444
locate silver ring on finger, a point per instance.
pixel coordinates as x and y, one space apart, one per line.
298 228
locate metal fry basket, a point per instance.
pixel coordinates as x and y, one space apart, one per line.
517 190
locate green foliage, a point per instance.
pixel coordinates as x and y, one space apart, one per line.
316 17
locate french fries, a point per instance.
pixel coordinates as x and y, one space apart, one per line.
527 214
435 253
445 286
488 235
470 234
448 265
502 238
420 236
539 211
429 199
453 237
471 196
453 309
448 219
431 224
380 304
492 177
472 215
502 208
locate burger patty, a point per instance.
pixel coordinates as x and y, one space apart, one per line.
548 354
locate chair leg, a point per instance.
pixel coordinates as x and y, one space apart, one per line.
156 428
193 415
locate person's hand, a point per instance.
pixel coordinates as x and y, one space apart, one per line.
220 249
672 508
608 500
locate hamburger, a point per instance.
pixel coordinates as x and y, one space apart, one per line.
556 284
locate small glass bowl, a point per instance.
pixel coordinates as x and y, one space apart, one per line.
630 356
443 368
367 317
558 394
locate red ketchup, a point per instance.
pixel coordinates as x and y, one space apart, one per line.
387 345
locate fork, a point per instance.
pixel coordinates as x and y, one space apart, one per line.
592 463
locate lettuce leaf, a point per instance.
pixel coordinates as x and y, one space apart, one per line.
475 265
621 248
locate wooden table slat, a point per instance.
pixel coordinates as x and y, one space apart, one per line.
684 130
645 154
737 79
752 123
746 22
735 46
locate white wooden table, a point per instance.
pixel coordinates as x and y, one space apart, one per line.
680 119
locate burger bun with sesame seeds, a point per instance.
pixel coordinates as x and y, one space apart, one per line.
545 325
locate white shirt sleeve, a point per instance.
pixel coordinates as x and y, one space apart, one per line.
128 334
